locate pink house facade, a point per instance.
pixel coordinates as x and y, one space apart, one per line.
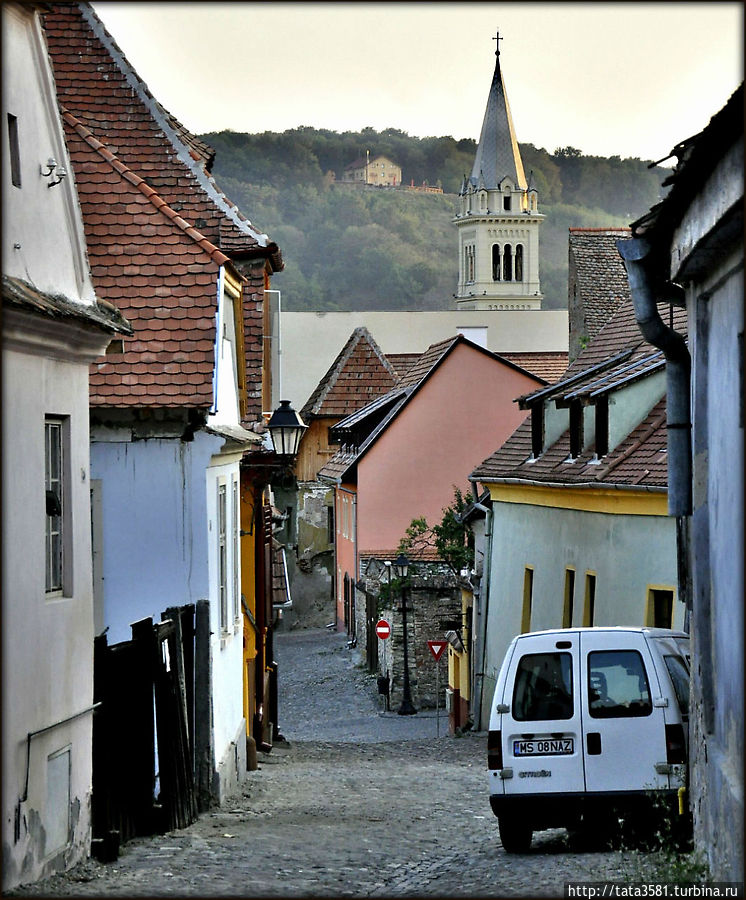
403 454
464 404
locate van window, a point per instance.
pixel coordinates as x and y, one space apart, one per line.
680 679
543 687
617 685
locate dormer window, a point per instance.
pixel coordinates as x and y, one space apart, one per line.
537 429
602 426
576 429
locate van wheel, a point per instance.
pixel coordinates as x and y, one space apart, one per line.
515 834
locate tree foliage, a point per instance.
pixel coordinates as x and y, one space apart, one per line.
449 538
347 247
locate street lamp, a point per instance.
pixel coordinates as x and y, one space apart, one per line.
286 429
401 566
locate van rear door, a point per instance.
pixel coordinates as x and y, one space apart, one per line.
623 720
541 733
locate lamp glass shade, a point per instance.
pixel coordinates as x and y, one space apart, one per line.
286 429
401 565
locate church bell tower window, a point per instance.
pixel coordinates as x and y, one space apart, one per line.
519 262
508 263
507 202
495 262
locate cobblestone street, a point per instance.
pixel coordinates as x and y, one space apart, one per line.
356 802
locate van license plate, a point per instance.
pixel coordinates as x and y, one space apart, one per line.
552 747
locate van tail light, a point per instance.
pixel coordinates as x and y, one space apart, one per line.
675 744
495 750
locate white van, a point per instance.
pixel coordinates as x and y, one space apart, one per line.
587 725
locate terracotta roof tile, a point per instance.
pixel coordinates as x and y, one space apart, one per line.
620 339
359 374
149 204
549 366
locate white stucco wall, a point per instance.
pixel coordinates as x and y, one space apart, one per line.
47 640
551 540
42 239
312 340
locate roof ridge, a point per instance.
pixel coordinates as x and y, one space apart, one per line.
145 189
163 118
333 373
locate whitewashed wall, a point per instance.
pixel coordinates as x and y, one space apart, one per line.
552 540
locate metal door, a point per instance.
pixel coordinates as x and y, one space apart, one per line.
541 722
623 720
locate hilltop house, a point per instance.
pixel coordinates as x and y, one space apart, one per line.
577 491
403 454
379 171
690 247
53 327
173 408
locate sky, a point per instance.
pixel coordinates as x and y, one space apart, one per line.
627 79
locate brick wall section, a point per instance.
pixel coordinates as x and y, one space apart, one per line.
253 309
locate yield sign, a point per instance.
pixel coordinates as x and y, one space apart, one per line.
437 648
383 629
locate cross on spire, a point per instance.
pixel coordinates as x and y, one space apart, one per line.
497 45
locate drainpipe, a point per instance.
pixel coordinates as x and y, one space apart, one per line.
647 288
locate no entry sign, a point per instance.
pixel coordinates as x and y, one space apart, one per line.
437 648
383 629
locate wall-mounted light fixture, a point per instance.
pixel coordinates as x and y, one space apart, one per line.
53 172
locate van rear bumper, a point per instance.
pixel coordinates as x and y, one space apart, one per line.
568 810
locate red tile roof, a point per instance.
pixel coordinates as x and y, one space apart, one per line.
96 83
402 362
549 366
157 226
359 374
158 271
637 460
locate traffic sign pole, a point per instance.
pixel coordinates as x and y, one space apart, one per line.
437 648
437 698
383 630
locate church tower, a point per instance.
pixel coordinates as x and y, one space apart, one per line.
498 219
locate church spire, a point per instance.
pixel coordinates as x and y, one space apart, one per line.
498 156
498 217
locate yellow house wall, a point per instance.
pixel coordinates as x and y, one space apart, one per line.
248 590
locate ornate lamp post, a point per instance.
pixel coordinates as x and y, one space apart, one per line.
401 566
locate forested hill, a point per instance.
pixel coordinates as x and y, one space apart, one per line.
349 248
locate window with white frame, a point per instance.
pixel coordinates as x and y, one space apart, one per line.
236 553
57 518
222 556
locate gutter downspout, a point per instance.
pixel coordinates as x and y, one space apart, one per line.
647 287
